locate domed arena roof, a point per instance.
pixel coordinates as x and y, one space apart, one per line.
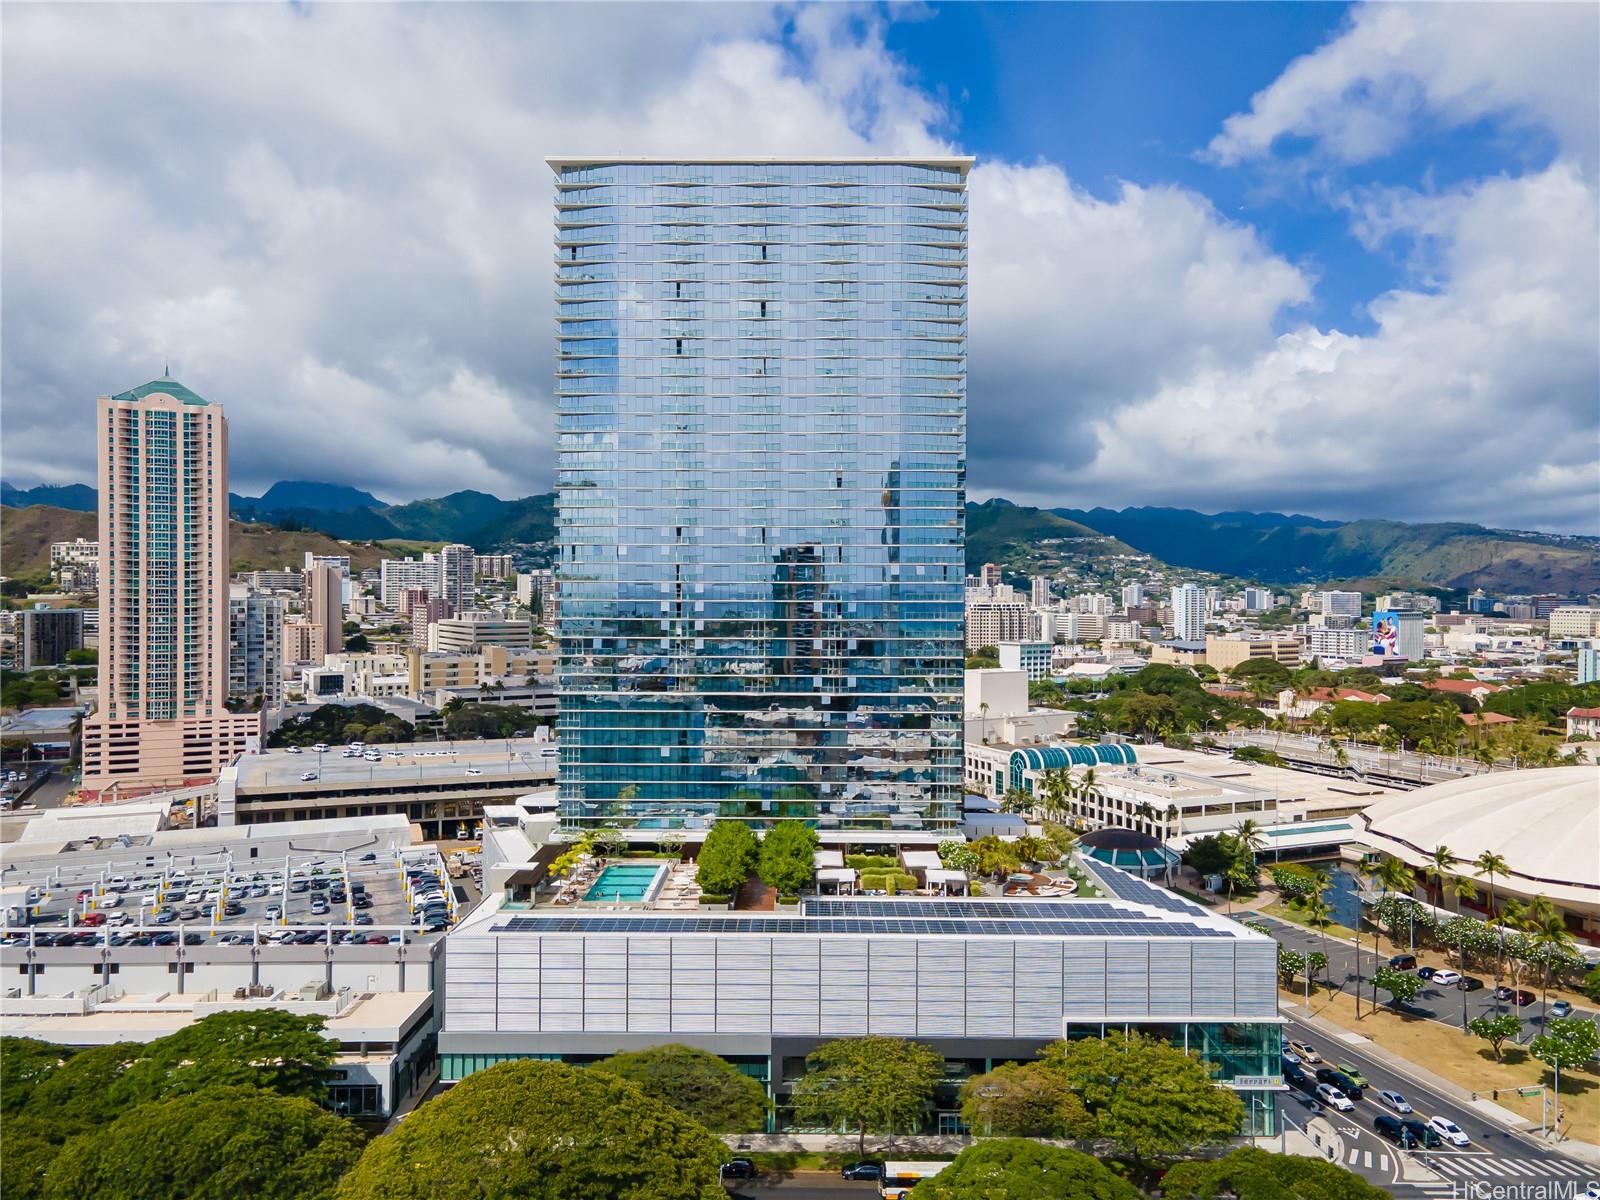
1135 852
1544 823
1114 837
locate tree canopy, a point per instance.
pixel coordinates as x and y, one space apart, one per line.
1251 1174
697 1083
262 1048
1018 1169
335 723
534 1130
1023 1100
216 1142
877 1084
1146 1098
787 858
727 858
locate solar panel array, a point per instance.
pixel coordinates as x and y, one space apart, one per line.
1136 891
869 925
1037 910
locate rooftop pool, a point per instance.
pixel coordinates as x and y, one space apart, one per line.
630 882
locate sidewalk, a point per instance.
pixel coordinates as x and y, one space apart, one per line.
847 1143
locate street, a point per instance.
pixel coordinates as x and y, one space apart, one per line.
804 1185
1442 1004
1496 1158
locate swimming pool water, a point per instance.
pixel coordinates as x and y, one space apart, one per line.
624 882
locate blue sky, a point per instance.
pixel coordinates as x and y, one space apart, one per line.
1342 260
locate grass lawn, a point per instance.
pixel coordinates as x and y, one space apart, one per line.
1467 1060
1284 912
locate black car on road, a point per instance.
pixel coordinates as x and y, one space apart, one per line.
738 1168
862 1170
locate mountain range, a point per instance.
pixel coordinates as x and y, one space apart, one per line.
1269 547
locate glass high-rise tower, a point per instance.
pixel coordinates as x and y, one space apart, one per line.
762 385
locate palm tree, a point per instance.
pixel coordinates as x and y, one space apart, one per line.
1462 889
1250 836
983 714
1390 875
1490 864
1550 938
1317 911
1437 869
1055 791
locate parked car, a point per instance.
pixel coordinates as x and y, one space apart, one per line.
188 913
164 916
1449 1131
738 1168
862 1170
1394 1129
1395 1101
377 939
273 911
1333 1097
1403 962
1445 977
1427 1136
234 939
1521 997
164 939
1427 972
110 900
233 909
1560 1010
1305 1051
1470 983
92 919
363 919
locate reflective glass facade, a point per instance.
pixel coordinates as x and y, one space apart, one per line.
761 475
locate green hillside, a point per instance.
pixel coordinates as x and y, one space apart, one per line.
1287 549
1029 540
26 534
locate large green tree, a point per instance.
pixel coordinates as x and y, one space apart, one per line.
1251 1174
533 1130
695 1082
787 858
871 1084
262 1048
727 858
1018 1169
1148 1099
1023 1100
24 1064
216 1142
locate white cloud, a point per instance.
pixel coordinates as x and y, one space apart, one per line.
1363 93
1475 399
336 220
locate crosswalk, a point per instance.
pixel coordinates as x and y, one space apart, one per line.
1459 1168
1364 1158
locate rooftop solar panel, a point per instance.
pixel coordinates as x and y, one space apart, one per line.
865 925
1136 891
1037 910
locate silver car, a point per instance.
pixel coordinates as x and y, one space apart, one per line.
1395 1101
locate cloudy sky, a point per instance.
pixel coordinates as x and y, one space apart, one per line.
1310 258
